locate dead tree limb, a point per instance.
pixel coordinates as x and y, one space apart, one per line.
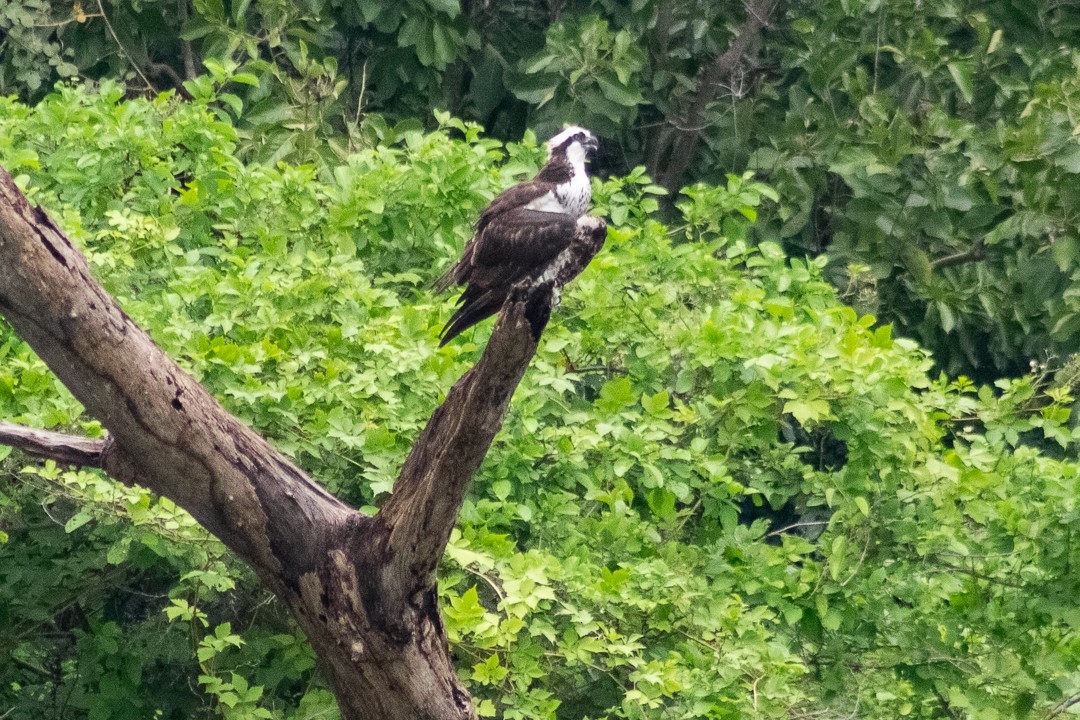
186 51
63 448
362 588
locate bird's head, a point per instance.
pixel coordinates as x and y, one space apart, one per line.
575 143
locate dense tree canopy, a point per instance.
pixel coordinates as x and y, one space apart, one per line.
732 482
928 146
719 492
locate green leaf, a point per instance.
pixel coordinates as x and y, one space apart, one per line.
213 9
371 9
656 404
534 89
234 103
246 78
1066 252
466 609
961 73
662 503
447 7
837 556
1067 326
807 412
619 93
948 317
502 489
77 521
616 394
118 553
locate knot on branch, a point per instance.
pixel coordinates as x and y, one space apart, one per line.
117 463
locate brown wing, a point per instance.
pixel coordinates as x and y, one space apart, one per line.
514 198
518 244
514 245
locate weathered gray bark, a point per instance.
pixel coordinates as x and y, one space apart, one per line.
362 587
68 449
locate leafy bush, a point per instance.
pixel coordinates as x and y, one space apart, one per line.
719 491
928 147
934 148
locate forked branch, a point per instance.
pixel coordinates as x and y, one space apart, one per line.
362 588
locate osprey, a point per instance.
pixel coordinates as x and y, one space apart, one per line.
523 233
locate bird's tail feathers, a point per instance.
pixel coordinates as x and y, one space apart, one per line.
445 280
475 307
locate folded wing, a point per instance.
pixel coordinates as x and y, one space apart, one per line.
509 247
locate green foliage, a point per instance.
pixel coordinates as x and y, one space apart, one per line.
928 147
586 71
31 56
719 492
934 144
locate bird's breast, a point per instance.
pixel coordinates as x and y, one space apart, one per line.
574 196
548 202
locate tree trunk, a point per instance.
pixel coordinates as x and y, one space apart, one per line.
363 588
711 78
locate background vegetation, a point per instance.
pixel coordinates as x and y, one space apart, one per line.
720 491
928 146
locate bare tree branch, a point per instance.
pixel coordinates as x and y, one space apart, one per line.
63 448
186 51
428 494
976 252
363 589
1063 706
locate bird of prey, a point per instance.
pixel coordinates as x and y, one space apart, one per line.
523 233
